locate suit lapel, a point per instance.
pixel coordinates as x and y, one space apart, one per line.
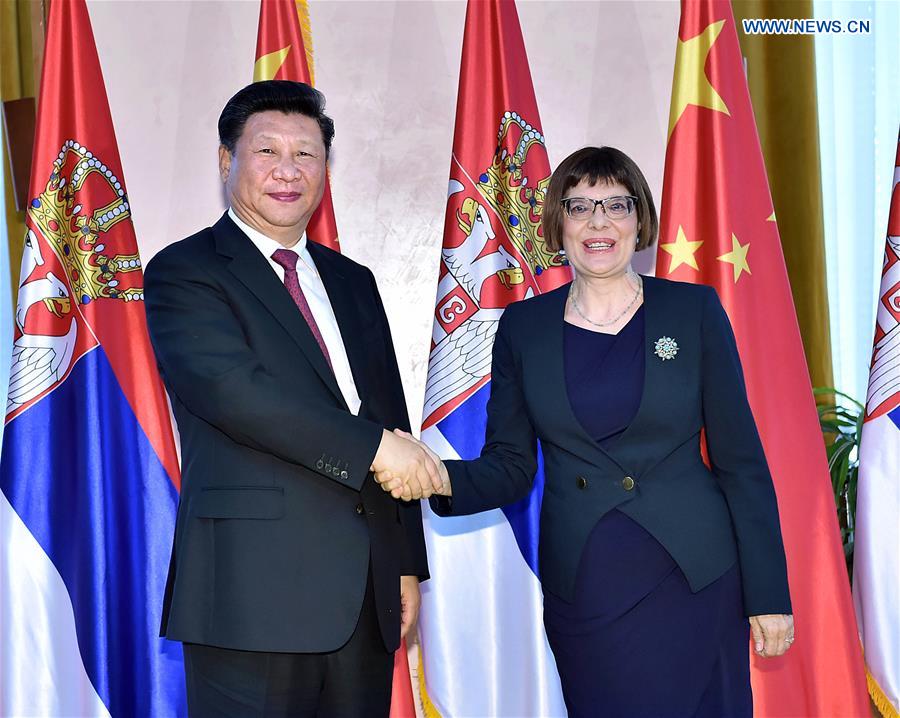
252 270
630 449
342 296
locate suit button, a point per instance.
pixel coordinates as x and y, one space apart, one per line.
581 482
336 471
628 483
328 467
320 464
345 475
359 509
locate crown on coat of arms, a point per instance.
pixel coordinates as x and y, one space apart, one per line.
75 234
514 195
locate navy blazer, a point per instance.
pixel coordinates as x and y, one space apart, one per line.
654 472
279 519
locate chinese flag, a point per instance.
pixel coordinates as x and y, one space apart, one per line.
281 54
718 227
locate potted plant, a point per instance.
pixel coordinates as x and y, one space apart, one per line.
841 419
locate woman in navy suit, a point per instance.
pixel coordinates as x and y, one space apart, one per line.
651 563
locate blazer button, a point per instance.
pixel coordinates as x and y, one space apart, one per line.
336 471
345 475
359 509
320 464
328 467
628 483
581 482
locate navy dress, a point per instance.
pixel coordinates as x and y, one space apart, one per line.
635 641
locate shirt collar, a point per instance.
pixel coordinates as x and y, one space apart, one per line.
265 244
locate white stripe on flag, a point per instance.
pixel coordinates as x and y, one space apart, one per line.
486 606
41 671
876 561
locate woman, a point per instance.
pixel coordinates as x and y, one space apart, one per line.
650 562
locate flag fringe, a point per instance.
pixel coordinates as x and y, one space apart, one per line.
306 32
879 698
428 709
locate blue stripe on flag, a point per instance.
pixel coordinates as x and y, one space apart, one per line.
464 429
895 416
80 472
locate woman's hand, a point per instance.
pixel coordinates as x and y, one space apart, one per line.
445 488
773 634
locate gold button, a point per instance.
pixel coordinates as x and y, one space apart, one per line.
581 482
628 483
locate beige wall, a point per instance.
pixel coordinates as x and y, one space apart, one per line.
602 73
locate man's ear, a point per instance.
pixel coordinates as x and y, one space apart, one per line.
224 162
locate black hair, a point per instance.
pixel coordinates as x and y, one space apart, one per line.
286 96
596 165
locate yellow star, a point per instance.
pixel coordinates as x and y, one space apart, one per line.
682 251
737 257
268 66
692 87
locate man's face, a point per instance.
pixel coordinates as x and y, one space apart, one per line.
276 176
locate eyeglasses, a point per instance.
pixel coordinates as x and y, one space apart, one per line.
581 208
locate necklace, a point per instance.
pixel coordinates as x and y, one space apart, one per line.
640 287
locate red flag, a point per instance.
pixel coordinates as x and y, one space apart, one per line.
499 173
282 54
718 227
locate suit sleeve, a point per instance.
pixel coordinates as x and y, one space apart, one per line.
739 465
504 473
414 561
209 367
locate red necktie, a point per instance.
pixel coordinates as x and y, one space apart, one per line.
288 260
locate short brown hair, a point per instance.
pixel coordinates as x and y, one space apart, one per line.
598 165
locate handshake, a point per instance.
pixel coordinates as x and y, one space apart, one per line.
407 469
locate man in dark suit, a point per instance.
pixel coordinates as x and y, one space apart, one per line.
292 574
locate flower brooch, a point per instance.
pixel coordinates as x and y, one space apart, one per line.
665 348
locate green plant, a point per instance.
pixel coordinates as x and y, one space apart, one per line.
841 419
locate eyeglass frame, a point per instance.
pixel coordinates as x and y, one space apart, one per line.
602 204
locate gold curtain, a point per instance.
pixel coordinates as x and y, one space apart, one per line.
781 73
19 61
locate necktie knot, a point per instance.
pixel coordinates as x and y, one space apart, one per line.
286 258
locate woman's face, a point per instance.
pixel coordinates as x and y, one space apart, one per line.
598 246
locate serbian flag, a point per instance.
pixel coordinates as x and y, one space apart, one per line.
89 475
718 227
482 633
876 555
284 52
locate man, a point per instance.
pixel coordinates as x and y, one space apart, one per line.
292 574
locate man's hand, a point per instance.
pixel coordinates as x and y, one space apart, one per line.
773 634
444 489
404 468
410 600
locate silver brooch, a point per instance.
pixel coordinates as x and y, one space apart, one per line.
666 348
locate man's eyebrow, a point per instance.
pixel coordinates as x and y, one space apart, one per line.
266 137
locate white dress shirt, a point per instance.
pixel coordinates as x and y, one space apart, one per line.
317 298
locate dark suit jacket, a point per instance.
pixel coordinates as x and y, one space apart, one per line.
654 473
279 515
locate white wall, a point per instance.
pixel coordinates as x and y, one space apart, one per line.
389 71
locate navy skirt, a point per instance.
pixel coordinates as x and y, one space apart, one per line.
637 643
